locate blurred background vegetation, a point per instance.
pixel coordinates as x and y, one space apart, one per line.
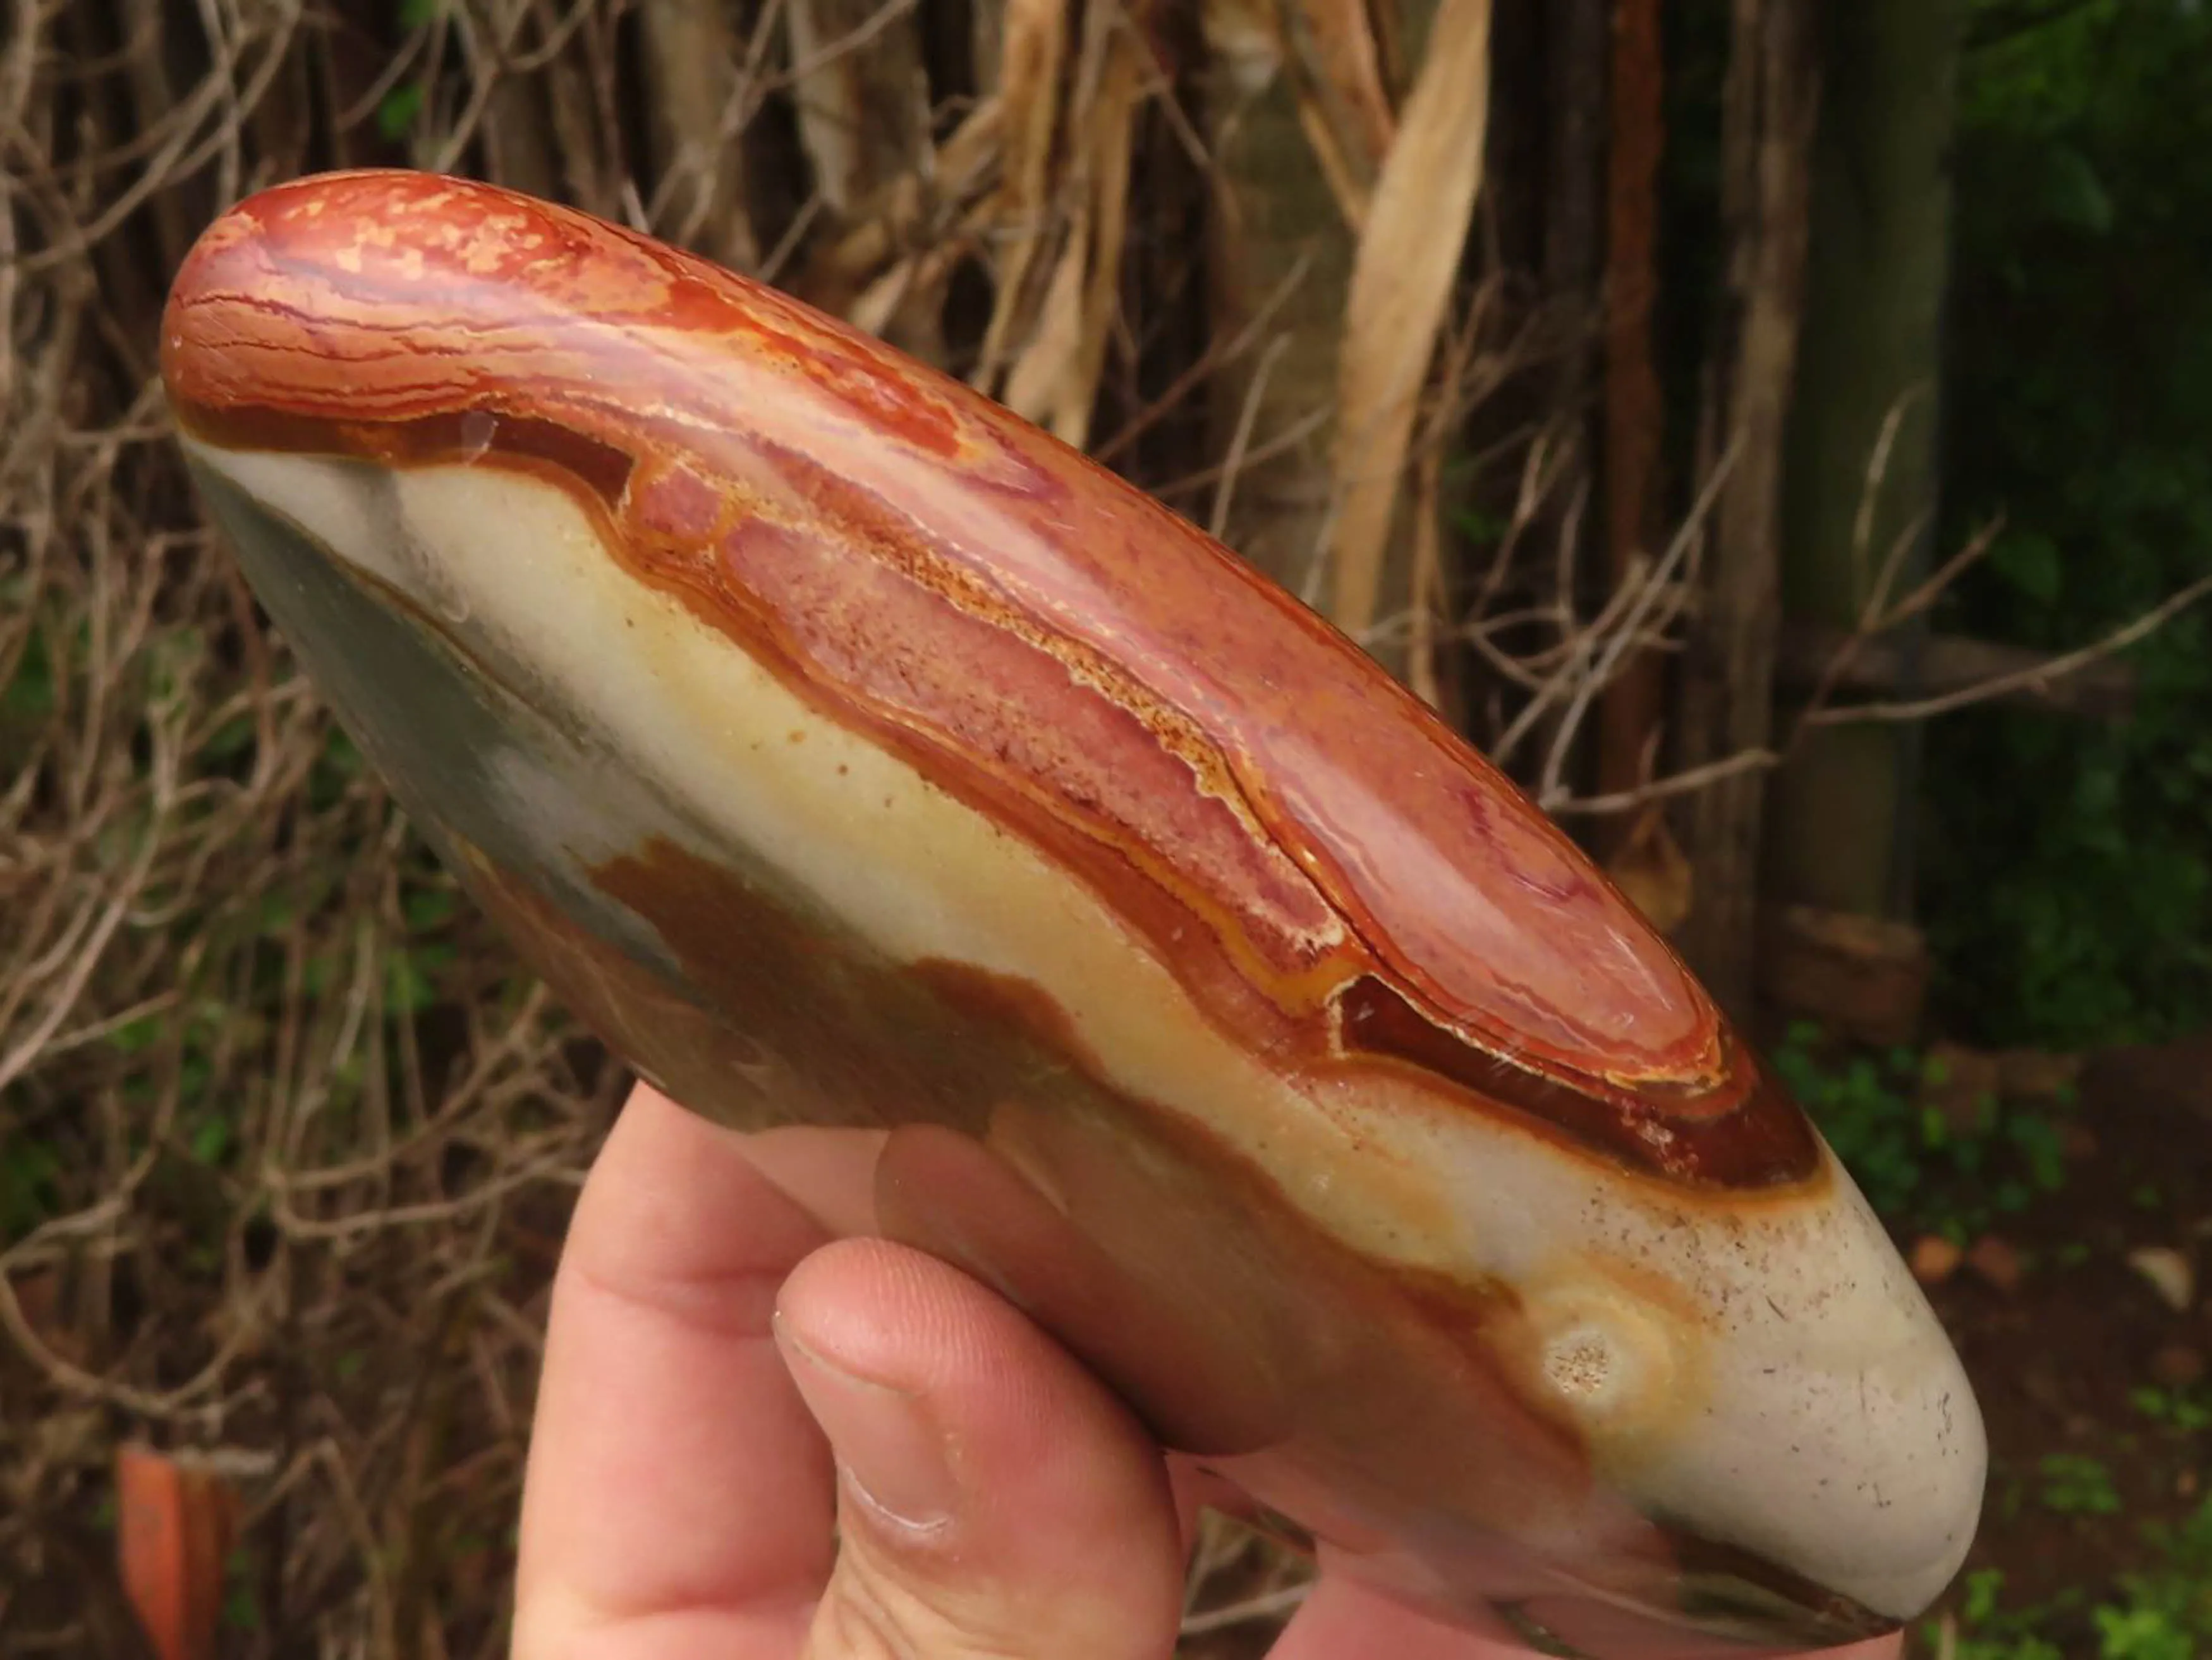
2068 888
1778 433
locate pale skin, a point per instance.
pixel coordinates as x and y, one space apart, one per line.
709 1345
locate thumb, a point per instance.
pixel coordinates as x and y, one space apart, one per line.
993 1499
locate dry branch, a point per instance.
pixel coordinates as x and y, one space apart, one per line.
1769 103
701 65
1401 284
1942 665
862 97
304 1139
1971 672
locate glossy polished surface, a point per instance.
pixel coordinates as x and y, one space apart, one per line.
854 756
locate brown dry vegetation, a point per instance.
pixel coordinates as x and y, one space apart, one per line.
287 1143
284 1145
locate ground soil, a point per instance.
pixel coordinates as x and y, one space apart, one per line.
2057 1360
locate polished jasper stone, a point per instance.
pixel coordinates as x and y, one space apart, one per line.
882 777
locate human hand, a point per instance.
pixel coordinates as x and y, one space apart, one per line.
992 1497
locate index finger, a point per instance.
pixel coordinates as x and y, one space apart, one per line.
678 1500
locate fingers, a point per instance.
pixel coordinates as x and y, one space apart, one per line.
678 1502
998 1498
993 1498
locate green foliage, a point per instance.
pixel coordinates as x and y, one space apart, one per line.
1914 1166
2067 882
185 1053
1864 1108
401 108
2171 1603
1989 1631
2074 1484
28 694
417 967
2188 1411
28 1171
2161 1613
337 769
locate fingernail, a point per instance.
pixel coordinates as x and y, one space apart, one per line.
891 1455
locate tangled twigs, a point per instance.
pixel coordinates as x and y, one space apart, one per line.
275 1112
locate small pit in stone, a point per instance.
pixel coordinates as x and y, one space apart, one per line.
1580 1364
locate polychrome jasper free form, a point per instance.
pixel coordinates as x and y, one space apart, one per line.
855 757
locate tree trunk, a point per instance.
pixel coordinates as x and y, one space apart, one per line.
1766 141
695 53
1280 249
864 106
1166 289
1863 480
1635 412
1573 222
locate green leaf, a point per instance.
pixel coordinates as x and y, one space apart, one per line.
229 739
2030 562
211 1140
29 1171
135 1036
2078 196
407 989
401 108
429 908
30 694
